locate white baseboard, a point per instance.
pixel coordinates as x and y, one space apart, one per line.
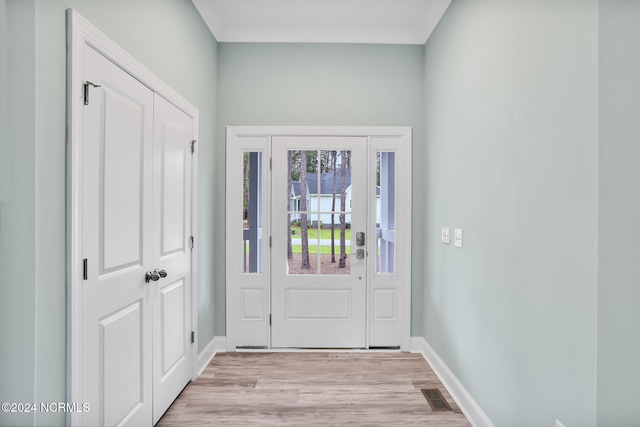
216 345
469 407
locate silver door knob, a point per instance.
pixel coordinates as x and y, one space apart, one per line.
161 273
151 275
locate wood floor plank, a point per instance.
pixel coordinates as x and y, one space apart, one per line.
316 389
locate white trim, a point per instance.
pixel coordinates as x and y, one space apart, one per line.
325 35
215 346
194 250
469 407
81 33
397 131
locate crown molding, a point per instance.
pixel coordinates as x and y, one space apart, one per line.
328 33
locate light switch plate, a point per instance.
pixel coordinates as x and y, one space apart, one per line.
457 237
445 235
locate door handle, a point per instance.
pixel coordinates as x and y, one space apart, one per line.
154 275
151 275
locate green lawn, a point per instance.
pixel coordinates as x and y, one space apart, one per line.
313 249
324 233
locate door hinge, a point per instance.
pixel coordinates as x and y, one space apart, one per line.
193 146
86 91
191 242
85 269
193 337
270 241
269 320
270 163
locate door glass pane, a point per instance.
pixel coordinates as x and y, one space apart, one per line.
318 211
385 211
252 212
335 258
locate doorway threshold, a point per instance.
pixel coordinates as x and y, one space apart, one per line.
249 349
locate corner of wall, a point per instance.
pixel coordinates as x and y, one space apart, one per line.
462 397
217 345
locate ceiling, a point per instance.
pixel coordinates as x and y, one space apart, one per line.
322 21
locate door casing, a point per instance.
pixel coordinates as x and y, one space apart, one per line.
80 34
254 331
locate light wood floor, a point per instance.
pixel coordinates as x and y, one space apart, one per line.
355 389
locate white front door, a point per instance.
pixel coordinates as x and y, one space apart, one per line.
318 298
136 210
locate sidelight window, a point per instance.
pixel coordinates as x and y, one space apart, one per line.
385 211
251 212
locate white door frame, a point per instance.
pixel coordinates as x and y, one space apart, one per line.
81 33
257 286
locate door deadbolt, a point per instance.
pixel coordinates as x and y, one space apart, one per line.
360 238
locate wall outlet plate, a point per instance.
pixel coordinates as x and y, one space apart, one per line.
457 237
445 235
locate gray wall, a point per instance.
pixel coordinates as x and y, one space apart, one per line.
322 84
511 134
17 209
168 37
619 214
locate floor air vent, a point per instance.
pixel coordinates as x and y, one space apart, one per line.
436 399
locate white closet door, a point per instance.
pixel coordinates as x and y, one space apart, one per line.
117 246
172 160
